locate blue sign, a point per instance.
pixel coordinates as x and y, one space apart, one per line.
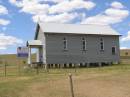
22 52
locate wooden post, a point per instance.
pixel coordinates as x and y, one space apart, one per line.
19 68
71 85
75 67
88 65
100 64
37 69
46 68
5 69
29 55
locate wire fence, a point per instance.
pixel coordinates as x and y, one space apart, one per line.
7 69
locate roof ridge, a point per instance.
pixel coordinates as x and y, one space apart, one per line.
73 23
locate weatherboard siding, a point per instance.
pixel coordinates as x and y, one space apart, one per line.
55 53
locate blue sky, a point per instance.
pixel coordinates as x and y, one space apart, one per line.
18 18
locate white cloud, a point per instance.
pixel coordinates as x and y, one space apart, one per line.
3 10
117 5
60 11
62 18
109 16
67 6
127 38
117 12
4 22
55 1
123 47
2 48
6 41
15 2
35 8
99 19
31 6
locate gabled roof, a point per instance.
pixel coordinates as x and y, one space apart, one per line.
76 29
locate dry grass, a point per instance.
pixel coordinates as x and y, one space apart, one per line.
112 81
84 86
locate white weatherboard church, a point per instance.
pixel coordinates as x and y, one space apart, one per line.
75 44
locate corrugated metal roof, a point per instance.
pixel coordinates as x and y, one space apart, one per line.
77 28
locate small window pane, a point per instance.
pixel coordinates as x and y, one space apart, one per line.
83 44
101 44
65 44
113 50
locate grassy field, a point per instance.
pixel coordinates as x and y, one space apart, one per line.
110 81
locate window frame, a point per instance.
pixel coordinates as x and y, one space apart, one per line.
113 53
101 44
65 44
84 44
